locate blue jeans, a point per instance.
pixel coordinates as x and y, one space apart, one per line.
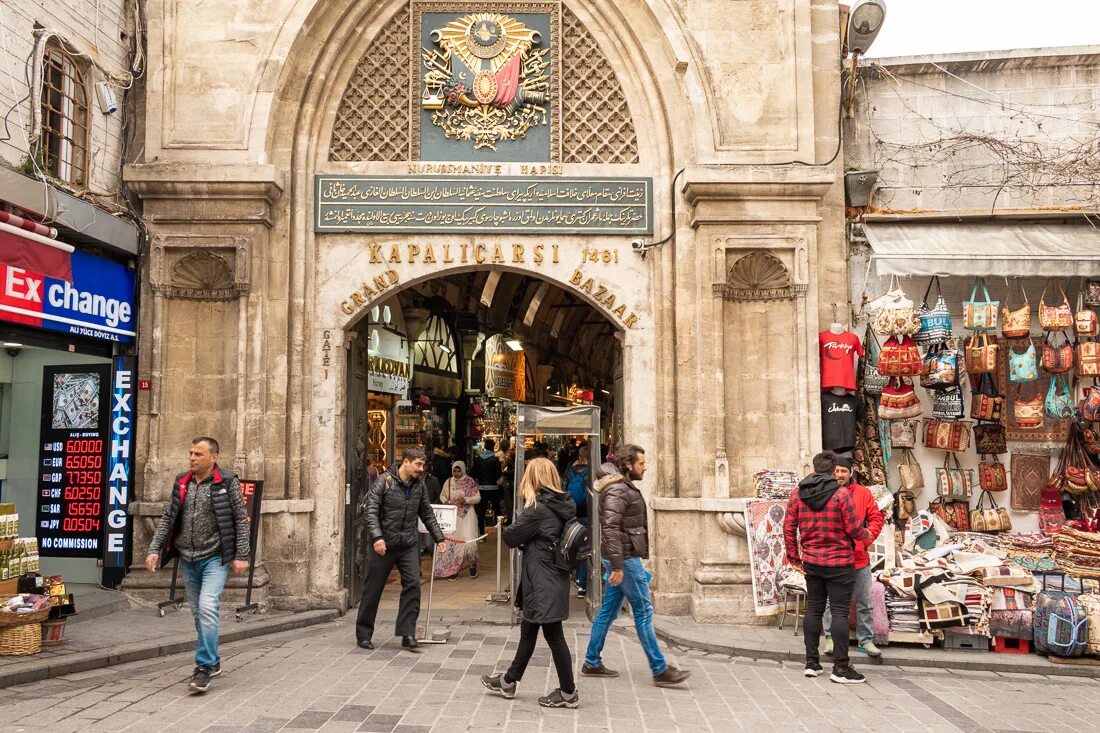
865 617
635 588
205 581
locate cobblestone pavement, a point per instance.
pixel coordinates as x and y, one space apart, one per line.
317 679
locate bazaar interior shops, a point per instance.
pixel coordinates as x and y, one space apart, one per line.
443 366
962 381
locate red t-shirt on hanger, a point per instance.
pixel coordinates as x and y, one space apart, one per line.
838 358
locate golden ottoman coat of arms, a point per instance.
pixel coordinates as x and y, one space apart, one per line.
487 79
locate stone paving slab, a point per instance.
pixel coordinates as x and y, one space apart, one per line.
771 643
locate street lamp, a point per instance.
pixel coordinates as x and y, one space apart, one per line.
864 24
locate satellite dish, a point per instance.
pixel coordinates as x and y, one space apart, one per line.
864 24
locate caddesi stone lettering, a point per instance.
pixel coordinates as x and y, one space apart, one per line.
604 296
369 291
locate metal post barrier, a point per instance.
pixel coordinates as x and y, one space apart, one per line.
501 596
428 618
173 600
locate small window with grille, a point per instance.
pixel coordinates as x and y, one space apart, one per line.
64 118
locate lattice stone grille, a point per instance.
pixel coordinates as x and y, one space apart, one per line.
596 122
372 122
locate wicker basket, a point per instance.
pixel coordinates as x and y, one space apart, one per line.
20 640
19 619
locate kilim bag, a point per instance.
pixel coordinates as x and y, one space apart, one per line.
873 382
1057 359
1028 413
1052 515
912 478
954 482
896 316
905 504
1088 359
1016 323
992 476
903 433
1055 317
1023 367
900 357
935 322
1092 292
1085 323
955 513
941 367
1059 401
980 315
989 519
1091 603
981 356
1090 405
949 435
985 403
947 404
989 439
899 401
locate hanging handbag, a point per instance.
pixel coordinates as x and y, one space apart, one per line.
905 504
900 357
947 404
954 482
989 439
941 367
896 316
1055 317
1052 515
873 382
1027 413
989 519
1088 359
899 401
1084 322
992 475
903 433
956 514
1023 367
981 356
1092 292
1057 359
980 315
985 403
1090 405
949 435
1016 323
1059 401
935 322
912 478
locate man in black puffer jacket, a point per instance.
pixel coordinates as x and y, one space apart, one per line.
624 543
394 502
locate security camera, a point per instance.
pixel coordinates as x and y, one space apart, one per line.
638 245
13 351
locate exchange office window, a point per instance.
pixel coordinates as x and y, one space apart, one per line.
64 118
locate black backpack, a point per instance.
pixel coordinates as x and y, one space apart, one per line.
572 548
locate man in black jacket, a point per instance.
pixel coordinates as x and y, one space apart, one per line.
394 503
624 543
206 526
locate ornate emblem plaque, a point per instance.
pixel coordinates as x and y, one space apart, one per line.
488 83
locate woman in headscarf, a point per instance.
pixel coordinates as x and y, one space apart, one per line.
460 490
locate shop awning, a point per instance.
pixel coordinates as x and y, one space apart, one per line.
1025 249
35 253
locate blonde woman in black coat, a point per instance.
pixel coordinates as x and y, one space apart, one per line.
543 592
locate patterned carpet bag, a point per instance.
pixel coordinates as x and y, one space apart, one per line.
1061 624
1091 603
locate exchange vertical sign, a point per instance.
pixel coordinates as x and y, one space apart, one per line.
119 462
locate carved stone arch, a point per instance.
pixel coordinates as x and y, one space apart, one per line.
203 275
759 275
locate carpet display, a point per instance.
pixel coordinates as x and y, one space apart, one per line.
764 525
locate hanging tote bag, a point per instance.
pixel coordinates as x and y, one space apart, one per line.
935 322
1028 412
900 357
912 478
873 382
1084 322
1016 323
954 481
1057 359
1055 317
956 514
1023 367
949 435
989 439
992 475
941 367
903 433
1090 405
896 316
947 404
1052 515
1092 292
1088 359
1059 401
985 402
981 355
899 401
980 315
991 518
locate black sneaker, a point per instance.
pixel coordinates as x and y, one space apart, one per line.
558 699
216 670
847 676
200 680
598 671
496 683
813 669
473 571
582 593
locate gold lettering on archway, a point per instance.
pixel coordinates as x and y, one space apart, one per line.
603 295
369 290
482 254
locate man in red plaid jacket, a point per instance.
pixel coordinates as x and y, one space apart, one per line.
822 530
